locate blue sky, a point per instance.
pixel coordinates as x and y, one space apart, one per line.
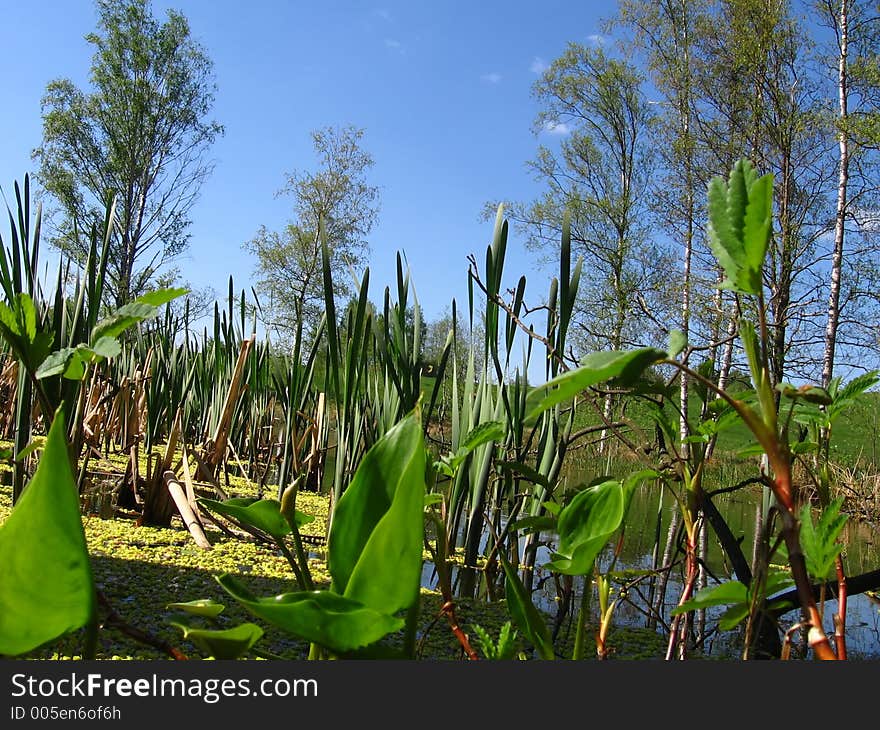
441 89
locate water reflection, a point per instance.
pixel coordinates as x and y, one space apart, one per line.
647 527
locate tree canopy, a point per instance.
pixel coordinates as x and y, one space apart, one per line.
141 133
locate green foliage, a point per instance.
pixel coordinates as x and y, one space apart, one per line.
71 362
585 525
740 222
481 434
374 552
819 539
524 613
203 607
737 596
504 648
263 514
46 586
321 617
223 643
140 131
623 366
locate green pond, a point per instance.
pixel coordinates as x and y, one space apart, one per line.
650 517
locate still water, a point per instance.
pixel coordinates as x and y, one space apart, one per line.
650 514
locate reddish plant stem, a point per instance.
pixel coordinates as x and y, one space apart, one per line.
691 573
448 610
840 616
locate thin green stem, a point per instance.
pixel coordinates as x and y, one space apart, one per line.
583 615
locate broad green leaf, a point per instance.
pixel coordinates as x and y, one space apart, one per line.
677 343
625 366
733 616
322 617
584 526
732 592
264 514
375 542
161 296
56 363
222 643
524 613
106 347
126 316
202 607
46 586
819 540
9 321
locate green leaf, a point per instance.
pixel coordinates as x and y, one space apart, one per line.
482 434
524 470
584 526
126 316
819 541
740 224
732 592
524 613
733 616
203 607
677 343
46 586
263 514
322 617
106 347
222 643
535 523
375 542
432 498
161 296
56 363
625 366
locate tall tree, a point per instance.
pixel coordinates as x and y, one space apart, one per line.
141 133
600 173
336 197
855 28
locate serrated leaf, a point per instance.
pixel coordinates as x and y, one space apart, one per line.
322 617
819 540
222 643
56 363
740 224
106 347
46 586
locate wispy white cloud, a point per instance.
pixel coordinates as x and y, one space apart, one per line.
395 45
597 39
560 128
539 65
491 78
383 13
